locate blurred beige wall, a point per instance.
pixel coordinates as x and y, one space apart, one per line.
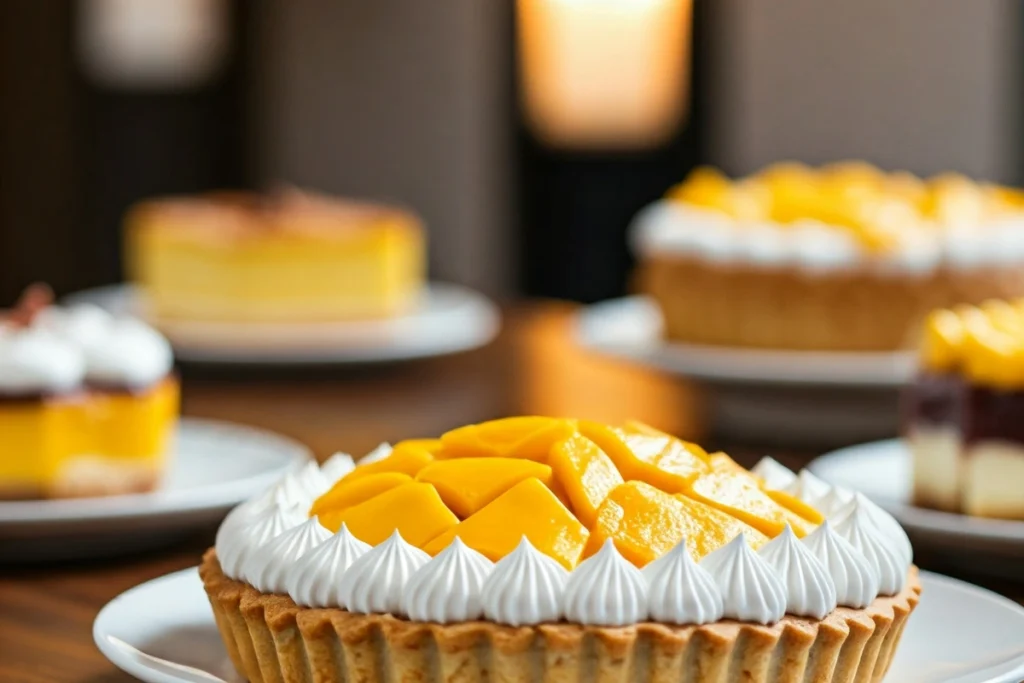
926 85
402 101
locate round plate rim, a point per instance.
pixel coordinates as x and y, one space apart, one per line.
472 306
121 660
140 506
937 522
736 364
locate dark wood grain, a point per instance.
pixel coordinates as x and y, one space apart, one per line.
46 612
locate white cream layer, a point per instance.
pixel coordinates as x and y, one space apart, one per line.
673 227
270 543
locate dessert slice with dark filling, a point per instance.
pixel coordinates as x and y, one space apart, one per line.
965 412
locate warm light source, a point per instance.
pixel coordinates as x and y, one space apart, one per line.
604 73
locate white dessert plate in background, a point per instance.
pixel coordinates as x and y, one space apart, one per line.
163 632
882 470
449 319
215 466
631 328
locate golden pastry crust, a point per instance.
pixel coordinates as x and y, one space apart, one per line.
271 640
857 310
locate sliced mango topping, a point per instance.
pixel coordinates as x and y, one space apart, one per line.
407 460
512 437
414 509
348 492
586 474
742 497
468 484
529 508
645 523
796 506
662 461
567 485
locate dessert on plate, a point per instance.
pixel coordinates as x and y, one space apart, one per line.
88 402
533 548
964 414
288 256
841 258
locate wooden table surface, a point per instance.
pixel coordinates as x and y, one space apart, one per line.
46 612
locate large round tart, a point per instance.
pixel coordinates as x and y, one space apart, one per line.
544 549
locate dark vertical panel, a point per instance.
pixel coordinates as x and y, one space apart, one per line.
576 207
40 197
141 143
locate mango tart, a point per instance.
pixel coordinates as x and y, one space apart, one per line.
532 547
841 257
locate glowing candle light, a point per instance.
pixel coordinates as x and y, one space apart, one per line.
604 73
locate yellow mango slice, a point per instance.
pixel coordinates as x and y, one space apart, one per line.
414 509
407 460
468 484
645 523
512 437
741 496
796 506
346 493
586 474
432 446
662 461
527 509
720 462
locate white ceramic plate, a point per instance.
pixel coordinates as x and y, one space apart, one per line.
631 328
163 632
882 470
449 319
216 466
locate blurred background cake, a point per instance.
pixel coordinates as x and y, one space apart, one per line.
88 402
843 257
288 256
965 413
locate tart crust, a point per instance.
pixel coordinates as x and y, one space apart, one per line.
786 308
272 640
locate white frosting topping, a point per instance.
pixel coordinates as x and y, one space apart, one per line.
130 353
774 474
810 590
606 590
855 578
886 523
832 503
337 466
374 583
34 359
83 325
449 587
379 453
674 227
526 587
267 568
865 536
752 590
303 486
235 549
315 579
808 488
679 591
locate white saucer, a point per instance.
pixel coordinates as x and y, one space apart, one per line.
216 466
882 470
449 319
163 632
764 396
631 328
